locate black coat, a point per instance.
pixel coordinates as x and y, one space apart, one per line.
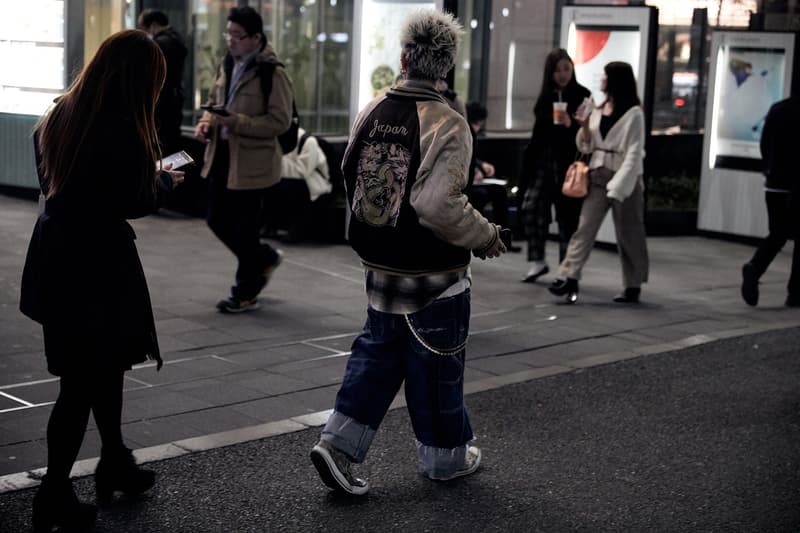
82 279
779 146
552 147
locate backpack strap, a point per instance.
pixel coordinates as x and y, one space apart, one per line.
266 70
302 141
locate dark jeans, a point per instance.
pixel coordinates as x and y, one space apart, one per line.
426 351
100 393
783 214
235 218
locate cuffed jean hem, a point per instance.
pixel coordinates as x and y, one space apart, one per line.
440 463
348 436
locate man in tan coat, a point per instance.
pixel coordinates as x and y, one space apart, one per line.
243 156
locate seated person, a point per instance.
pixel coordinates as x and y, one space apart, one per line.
479 192
304 179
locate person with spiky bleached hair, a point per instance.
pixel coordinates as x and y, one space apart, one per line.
405 170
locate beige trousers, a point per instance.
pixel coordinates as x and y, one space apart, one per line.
628 217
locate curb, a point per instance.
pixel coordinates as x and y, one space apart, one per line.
86 467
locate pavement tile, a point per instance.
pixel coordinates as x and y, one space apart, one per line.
157 403
267 383
289 405
276 355
22 457
175 325
224 390
212 420
498 365
177 371
144 433
36 393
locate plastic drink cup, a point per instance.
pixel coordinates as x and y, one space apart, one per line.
559 112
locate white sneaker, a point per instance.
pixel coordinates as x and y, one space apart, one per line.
334 469
472 461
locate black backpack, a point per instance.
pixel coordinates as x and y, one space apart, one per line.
287 139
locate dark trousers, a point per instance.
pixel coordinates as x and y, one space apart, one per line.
783 215
99 392
542 193
293 211
235 218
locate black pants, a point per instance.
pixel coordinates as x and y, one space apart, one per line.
293 212
544 191
235 218
783 214
99 392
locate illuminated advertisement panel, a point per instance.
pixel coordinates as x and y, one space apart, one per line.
31 56
376 48
597 35
750 74
593 47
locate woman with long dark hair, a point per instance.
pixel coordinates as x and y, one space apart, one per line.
97 153
550 152
614 135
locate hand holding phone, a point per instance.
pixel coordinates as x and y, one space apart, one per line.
177 160
217 110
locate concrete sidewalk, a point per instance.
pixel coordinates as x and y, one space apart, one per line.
249 374
701 439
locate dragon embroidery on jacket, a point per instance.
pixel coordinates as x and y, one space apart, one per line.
381 183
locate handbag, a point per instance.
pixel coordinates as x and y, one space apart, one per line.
576 180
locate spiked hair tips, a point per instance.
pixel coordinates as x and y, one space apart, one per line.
429 39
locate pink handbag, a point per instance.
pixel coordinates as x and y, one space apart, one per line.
576 181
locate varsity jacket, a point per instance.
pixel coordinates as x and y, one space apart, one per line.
405 168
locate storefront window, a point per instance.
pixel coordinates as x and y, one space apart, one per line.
682 57
311 37
31 37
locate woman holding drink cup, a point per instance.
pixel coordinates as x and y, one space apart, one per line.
614 136
547 157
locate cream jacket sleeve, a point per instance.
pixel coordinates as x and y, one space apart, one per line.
631 150
437 195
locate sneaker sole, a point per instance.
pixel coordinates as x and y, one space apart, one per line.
233 311
329 474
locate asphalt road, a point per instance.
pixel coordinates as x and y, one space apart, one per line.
702 439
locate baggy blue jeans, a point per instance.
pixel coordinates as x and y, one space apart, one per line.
426 350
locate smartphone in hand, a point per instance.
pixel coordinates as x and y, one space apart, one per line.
217 110
177 160
505 236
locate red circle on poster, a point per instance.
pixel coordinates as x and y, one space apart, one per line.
590 43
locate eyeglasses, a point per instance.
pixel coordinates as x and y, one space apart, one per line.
236 36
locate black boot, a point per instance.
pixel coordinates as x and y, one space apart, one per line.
118 471
629 296
56 504
567 288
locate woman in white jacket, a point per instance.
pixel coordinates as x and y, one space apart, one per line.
614 135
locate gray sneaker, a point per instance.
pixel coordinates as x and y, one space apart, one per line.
471 463
334 469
